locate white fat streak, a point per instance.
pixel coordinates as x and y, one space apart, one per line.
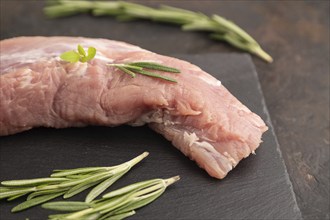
25 78
98 56
27 56
209 147
191 138
33 55
80 69
210 81
168 122
154 116
104 43
230 158
205 77
142 60
103 58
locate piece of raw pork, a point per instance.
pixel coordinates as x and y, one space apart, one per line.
197 114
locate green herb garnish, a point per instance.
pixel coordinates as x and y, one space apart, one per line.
79 55
117 204
220 28
65 182
139 68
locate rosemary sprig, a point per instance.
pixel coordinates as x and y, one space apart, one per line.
117 204
221 28
65 182
139 68
155 66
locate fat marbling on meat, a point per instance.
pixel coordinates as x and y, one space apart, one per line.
198 114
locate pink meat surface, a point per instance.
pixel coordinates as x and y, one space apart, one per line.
197 114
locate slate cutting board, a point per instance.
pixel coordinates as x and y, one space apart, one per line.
258 188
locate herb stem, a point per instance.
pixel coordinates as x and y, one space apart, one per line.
137 159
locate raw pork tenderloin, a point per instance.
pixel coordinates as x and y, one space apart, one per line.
197 114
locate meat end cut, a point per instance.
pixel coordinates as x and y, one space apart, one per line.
198 115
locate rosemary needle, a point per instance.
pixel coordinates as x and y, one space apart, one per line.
146 73
139 68
69 206
35 201
31 182
132 74
14 192
221 28
155 66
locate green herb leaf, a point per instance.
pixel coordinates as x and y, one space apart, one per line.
155 75
45 192
32 182
155 66
66 206
58 216
81 50
112 204
132 74
87 180
141 201
95 192
83 186
73 56
62 173
131 67
35 201
91 53
111 216
137 68
90 56
70 56
15 192
17 196
131 188
5 189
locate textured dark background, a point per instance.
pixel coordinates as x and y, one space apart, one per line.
296 85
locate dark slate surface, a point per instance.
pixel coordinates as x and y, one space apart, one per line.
258 188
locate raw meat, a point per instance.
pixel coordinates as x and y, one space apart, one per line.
198 114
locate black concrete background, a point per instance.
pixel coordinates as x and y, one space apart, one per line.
296 85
